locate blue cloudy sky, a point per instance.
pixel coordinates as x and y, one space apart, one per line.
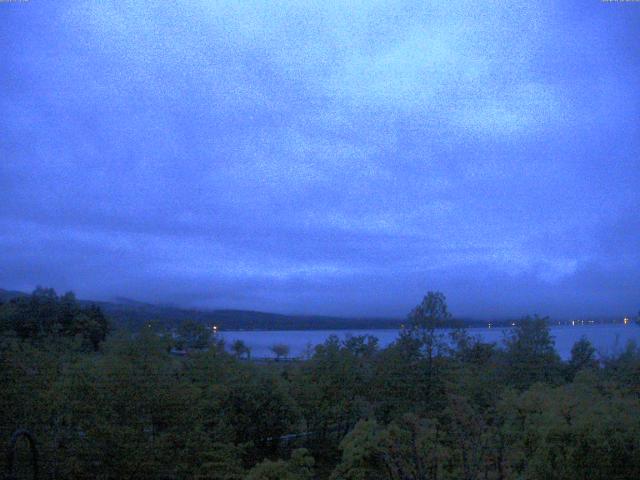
324 157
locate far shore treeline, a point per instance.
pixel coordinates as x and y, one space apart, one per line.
132 315
436 404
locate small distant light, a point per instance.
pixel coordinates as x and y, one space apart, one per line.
513 324
573 323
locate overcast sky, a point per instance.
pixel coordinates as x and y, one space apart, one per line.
317 157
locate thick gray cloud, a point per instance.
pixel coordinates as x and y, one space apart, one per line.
318 157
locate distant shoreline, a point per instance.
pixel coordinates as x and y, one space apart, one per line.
127 314
475 327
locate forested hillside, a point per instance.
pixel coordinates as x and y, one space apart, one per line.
419 409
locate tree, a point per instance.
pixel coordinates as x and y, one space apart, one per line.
92 325
571 432
424 321
479 412
254 403
399 379
625 367
468 434
239 348
361 454
582 356
45 315
361 345
280 350
405 450
222 462
530 353
136 414
471 349
193 334
299 467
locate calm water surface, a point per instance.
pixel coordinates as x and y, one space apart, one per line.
607 339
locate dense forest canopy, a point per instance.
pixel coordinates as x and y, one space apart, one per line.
426 407
44 315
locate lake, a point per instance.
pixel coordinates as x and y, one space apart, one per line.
606 338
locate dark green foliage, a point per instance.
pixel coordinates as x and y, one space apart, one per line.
624 368
574 431
240 349
416 365
193 335
406 449
422 408
471 350
331 387
298 467
583 356
44 315
530 355
425 322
